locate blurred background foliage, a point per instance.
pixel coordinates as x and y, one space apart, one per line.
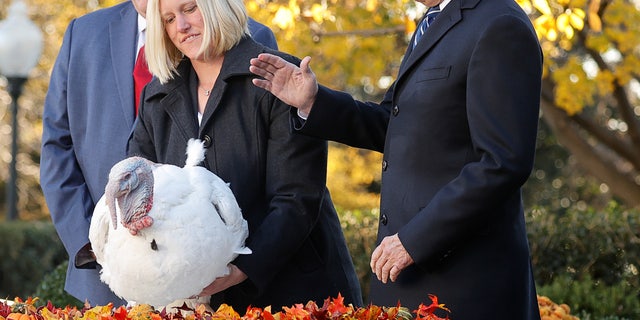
588 151
589 141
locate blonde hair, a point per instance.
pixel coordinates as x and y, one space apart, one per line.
225 23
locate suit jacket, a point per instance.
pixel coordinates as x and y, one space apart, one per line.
298 249
88 117
458 131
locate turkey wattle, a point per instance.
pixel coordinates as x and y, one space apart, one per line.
163 233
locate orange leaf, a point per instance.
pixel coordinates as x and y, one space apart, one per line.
427 312
337 307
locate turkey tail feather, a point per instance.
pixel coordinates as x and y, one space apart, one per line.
195 152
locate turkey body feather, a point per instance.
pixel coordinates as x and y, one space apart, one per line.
197 230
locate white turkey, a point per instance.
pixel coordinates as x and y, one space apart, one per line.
163 233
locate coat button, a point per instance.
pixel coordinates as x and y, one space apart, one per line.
207 141
384 165
384 219
395 110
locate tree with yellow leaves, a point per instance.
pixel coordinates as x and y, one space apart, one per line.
591 87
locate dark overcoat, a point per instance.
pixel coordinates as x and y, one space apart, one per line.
279 179
458 131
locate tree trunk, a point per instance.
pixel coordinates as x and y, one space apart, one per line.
597 161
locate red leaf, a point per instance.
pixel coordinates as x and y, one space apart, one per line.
427 312
120 313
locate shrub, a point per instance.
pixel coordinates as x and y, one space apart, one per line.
594 299
52 288
29 250
603 246
360 228
588 260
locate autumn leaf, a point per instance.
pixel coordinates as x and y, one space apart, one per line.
297 312
226 312
120 313
594 19
337 307
98 313
542 6
427 312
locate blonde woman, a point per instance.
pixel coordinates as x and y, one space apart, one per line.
199 52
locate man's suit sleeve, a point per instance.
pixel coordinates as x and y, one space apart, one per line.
337 116
262 34
61 178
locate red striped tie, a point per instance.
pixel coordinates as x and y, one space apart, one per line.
141 76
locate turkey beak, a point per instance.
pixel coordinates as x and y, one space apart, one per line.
117 189
110 198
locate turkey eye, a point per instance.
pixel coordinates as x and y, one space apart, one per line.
154 245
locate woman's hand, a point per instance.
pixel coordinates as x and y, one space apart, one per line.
234 277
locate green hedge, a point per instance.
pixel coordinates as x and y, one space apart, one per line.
360 228
29 251
594 299
604 246
52 288
588 260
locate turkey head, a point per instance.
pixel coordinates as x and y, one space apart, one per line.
130 186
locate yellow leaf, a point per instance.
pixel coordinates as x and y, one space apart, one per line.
594 19
371 5
576 18
546 26
542 6
252 6
578 12
48 315
525 5
409 26
317 12
293 6
568 31
562 21
283 18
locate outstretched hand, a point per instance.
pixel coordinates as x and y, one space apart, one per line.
295 86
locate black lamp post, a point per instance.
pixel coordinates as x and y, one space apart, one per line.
20 49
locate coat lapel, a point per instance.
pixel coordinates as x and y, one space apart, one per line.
449 17
178 105
123 39
175 100
236 65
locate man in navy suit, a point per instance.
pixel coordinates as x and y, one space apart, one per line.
88 117
458 130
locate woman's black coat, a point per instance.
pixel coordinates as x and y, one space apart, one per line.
279 179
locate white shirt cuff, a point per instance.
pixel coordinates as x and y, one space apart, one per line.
301 115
